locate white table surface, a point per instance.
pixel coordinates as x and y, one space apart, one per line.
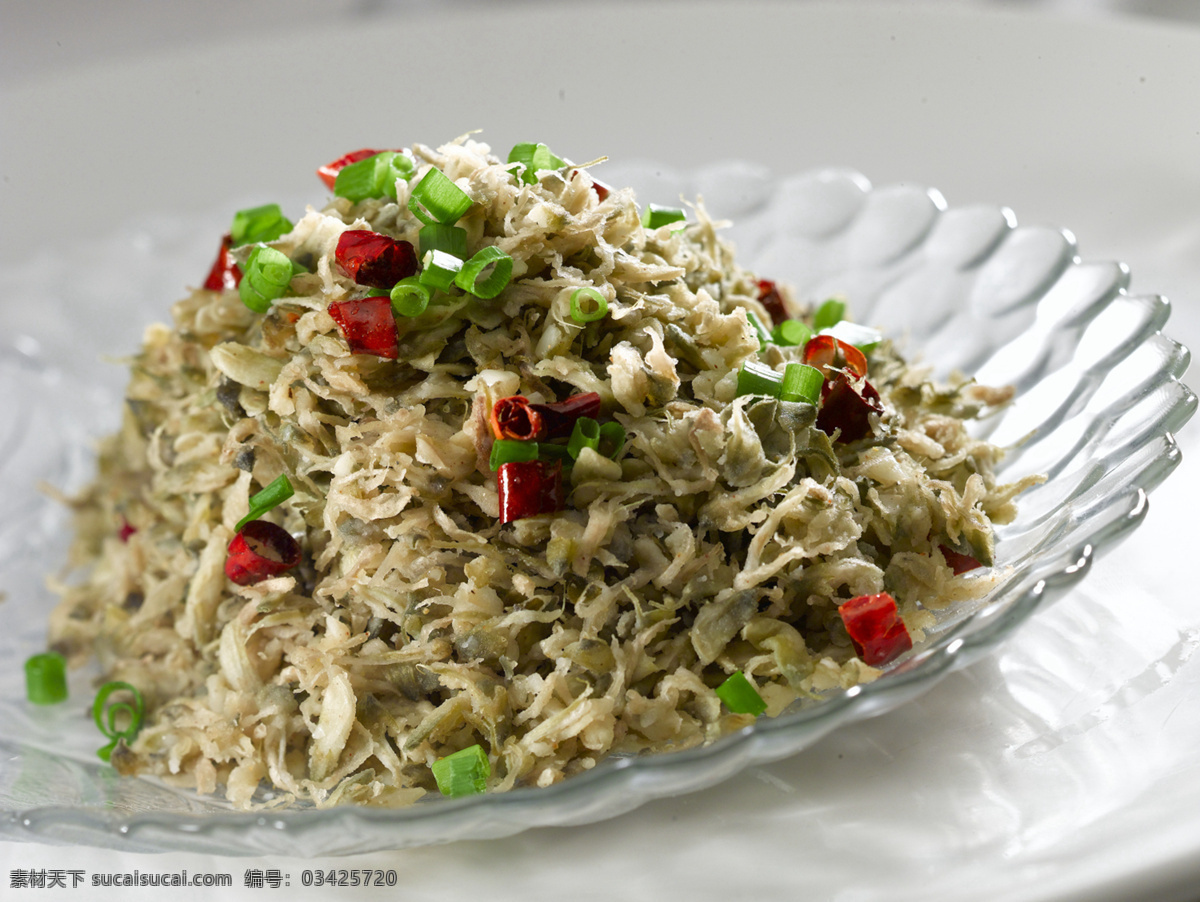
1001 783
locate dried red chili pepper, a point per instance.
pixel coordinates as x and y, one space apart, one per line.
529 488
875 628
127 529
825 352
375 260
329 171
769 297
259 551
224 274
959 563
558 418
369 326
847 404
514 418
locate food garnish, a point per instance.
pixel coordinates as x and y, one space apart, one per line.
329 172
225 274
374 260
368 325
260 550
463 773
46 678
109 717
740 696
875 627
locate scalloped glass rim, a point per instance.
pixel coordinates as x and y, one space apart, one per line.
1098 396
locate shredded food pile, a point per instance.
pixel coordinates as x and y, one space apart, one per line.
722 538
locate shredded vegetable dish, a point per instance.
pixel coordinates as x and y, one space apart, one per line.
483 473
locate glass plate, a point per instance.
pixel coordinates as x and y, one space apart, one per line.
1098 396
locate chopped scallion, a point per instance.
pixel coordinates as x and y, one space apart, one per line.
437 199
612 440
534 158
509 451
448 238
829 313
549 451
410 297
463 773
106 719
655 216
758 379
271 497
46 678
740 696
468 278
265 277
374 177
764 337
801 382
265 223
791 333
598 306
586 434
440 270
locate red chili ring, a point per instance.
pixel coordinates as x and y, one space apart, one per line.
958 562
224 274
847 405
769 297
529 488
874 626
822 352
559 417
374 260
259 551
368 325
514 418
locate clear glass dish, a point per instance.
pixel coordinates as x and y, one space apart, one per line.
1098 396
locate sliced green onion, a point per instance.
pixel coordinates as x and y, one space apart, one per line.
544 158
265 277
468 278
437 199
655 216
758 379
106 720
829 313
599 305
612 440
740 696
548 451
374 177
440 270
764 337
511 451
791 333
448 238
464 773
862 337
265 223
271 497
410 297
46 678
586 434
534 158
801 382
